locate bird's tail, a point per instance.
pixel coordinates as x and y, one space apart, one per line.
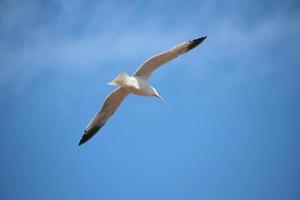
120 79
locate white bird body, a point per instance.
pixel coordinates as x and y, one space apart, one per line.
136 84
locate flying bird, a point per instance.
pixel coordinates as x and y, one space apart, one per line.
136 84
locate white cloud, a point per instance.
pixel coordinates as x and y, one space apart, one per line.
71 35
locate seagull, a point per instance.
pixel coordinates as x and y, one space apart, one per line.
136 84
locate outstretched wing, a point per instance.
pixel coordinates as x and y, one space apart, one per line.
146 69
111 103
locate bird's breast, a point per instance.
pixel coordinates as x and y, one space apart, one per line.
137 86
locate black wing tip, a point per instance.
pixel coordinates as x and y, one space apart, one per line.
83 139
88 135
196 42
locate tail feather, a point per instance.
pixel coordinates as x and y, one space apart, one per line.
121 78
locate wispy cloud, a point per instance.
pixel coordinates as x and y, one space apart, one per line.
74 35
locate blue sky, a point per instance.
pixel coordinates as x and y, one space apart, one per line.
228 127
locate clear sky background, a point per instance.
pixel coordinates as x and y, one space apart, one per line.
229 125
